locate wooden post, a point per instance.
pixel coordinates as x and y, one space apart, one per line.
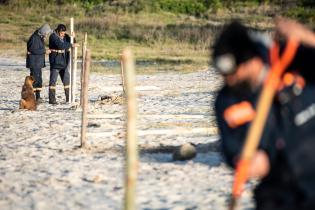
82 66
73 74
70 60
85 97
131 133
122 74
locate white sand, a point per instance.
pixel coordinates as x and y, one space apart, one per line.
41 167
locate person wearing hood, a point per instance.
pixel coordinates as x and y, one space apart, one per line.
35 58
59 60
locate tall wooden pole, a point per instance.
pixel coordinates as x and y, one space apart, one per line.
74 51
70 59
82 66
131 134
85 97
74 72
122 74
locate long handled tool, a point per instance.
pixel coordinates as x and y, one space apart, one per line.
257 126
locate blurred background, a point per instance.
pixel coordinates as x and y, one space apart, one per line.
165 35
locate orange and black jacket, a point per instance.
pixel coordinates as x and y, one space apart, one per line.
289 133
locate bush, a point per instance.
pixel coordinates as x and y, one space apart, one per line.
192 7
306 15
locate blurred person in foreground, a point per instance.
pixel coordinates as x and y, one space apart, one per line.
285 159
35 58
59 44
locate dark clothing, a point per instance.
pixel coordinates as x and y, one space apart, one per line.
58 60
52 96
64 75
58 65
232 138
36 73
35 57
299 128
288 139
278 190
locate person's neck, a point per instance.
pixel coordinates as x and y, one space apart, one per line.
262 75
259 76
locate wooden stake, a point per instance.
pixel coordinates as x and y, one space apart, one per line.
131 134
122 75
73 74
85 97
70 60
82 66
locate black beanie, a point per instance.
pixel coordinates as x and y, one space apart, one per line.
232 47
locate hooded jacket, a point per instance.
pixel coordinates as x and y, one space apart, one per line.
35 57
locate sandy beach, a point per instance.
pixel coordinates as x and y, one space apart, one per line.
42 168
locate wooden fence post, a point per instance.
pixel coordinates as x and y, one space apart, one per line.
85 97
82 66
74 51
70 60
74 73
131 133
122 74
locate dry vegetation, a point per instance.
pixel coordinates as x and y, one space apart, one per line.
164 38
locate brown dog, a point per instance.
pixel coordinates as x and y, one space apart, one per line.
28 98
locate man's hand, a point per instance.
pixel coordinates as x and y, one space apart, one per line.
259 166
48 51
75 45
292 29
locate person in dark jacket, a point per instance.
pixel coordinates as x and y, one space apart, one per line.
285 160
35 58
59 60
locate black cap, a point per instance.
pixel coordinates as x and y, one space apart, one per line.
232 47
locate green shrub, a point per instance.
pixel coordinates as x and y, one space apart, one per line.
304 14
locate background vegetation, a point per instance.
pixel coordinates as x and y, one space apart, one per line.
174 34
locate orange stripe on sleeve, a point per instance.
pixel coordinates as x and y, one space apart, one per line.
239 114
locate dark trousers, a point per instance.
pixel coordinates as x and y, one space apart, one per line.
279 198
65 78
64 75
36 73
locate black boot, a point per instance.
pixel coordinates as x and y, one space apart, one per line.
52 96
67 94
38 98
